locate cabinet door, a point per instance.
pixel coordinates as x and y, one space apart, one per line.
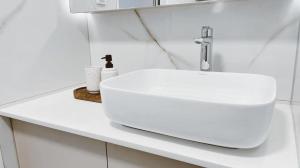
121 157
1 160
40 147
8 149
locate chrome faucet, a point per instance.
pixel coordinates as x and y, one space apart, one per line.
206 42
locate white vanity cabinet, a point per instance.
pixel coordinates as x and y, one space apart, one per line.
1 160
40 147
121 157
8 155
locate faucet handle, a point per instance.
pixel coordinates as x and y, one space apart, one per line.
203 40
198 40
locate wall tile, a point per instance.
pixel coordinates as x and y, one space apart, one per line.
250 37
122 35
42 47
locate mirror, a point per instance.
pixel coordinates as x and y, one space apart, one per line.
83 6
129 4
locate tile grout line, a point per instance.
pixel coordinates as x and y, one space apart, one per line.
295 64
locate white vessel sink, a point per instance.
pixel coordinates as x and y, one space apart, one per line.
225 109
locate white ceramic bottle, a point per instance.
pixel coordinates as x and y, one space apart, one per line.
109 71
93 75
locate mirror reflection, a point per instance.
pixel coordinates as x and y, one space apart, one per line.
172 2
124 4
129 4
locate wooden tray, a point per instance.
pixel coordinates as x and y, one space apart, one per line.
83 94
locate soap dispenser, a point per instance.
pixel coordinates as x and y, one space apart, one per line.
109 70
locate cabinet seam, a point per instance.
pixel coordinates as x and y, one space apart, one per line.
106 153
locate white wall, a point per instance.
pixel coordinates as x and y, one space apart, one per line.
42 47
252 36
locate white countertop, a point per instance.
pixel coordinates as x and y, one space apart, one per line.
62 112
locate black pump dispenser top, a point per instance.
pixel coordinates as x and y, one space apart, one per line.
108 59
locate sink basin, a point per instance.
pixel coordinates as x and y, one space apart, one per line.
224 109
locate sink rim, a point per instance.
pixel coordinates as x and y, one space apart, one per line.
269 100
